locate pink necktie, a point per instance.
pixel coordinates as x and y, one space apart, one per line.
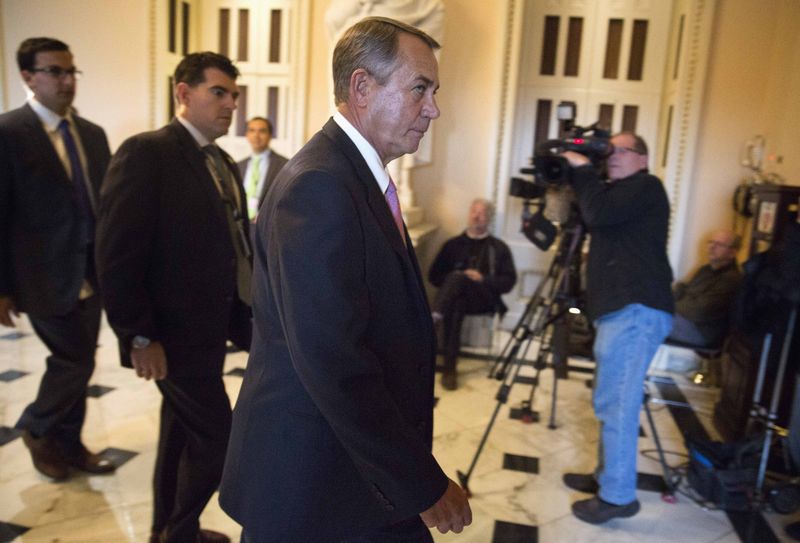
394 205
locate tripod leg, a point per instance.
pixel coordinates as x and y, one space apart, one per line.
502 398
669 494
552 423
463 478
773 410
530 416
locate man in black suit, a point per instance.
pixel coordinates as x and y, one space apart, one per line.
52 164
173 258
332 431
259 170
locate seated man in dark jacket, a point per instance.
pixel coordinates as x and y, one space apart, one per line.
703 304
472 271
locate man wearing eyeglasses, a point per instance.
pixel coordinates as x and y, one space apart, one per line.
52 163
703 303
630 301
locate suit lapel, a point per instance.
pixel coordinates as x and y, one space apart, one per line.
91 159
375 200
238 178
197 160
41 140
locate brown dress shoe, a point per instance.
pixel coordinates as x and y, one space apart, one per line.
46 456
90 462
210 536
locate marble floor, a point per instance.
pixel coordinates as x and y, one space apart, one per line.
517 491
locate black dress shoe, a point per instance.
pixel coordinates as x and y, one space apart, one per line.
46 456
596 511
793 530
90 462
582 482
210 536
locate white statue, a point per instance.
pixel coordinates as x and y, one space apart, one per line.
425 14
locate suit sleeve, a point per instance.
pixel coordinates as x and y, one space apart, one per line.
6 214
126 227
318 276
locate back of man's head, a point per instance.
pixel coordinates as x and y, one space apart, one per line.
191 69
370 44
26 54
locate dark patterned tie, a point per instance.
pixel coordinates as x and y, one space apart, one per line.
78 178
394 206
236 223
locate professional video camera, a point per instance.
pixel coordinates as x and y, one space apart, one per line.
551 172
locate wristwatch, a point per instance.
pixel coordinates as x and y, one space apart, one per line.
140 342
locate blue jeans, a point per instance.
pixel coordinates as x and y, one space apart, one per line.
624 346
686 331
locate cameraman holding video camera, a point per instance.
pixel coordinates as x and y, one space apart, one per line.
630 302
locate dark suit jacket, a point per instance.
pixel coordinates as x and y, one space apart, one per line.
276 162
165 260
332 430
42 233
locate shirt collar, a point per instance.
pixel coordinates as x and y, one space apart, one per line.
264 154
201 140
482 236
49 118
367 151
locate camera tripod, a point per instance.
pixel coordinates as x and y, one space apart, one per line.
542 319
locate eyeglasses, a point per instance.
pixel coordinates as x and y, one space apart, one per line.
626 150
715 243
59 72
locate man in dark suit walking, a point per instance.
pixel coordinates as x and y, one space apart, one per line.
174 260
332 431
52 164
258 171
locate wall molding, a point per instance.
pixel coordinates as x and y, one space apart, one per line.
682 146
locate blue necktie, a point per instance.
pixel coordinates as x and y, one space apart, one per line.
78 178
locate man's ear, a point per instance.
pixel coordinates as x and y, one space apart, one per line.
182 92
360 83
26 77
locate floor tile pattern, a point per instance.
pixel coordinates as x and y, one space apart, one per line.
11 375
97 391
517 492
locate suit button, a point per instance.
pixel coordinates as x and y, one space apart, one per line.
228 299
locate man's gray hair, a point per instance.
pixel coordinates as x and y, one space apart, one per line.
488 205
370 44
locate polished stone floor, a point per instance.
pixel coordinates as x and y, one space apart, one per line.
517 491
